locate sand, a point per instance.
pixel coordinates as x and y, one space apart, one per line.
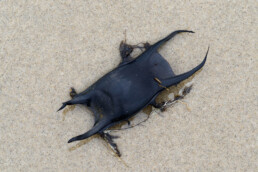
47 47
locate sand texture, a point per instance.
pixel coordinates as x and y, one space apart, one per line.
48 46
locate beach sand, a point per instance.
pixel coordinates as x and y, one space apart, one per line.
46 47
